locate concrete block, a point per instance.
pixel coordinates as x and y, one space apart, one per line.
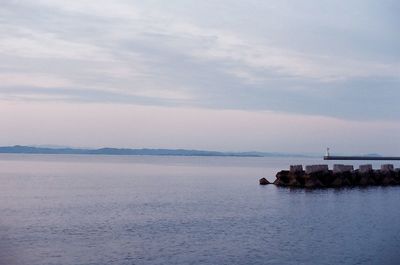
316 168
387 167
365 168
296 168
339 168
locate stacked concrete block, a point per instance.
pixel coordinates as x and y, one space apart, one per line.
296 168
318 176
316 168
365 168
387 167
339 168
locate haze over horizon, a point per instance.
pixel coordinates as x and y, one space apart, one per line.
287 76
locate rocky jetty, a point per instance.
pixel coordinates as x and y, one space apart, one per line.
320 176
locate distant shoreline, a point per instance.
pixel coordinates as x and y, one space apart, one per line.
19 149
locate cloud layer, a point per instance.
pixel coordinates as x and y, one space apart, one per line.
338 59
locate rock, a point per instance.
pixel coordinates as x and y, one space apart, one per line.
396 176
387 180
388 175
264 181
346 181
337 182
287 178
282 178
325 177
312 182
376 176
277 182
364 180
319 176
293 181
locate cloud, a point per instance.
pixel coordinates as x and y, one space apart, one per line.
313 58
32 80
33 44
101 8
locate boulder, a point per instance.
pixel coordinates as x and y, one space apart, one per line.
293 181
346 181
388 175
325 177
364 180
397 176
377 176
387 180
312 182
348 178
264 181
277 182
337 182
282 178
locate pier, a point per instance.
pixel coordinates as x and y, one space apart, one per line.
366 157
387 158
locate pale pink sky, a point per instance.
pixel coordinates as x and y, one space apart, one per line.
117 125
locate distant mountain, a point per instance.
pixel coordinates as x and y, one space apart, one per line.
18 149
275 154
373 155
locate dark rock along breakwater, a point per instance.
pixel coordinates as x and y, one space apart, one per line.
319 176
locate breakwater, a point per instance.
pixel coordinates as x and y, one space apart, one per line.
387 158
320 176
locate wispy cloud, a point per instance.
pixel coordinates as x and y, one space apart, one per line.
316 57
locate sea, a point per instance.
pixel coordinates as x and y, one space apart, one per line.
82 209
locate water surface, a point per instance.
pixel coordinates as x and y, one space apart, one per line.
75 209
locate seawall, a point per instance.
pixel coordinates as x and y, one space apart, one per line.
320 176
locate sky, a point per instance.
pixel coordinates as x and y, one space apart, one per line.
288 76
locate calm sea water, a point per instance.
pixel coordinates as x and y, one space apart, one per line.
185 210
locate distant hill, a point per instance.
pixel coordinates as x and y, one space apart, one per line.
373 155
18 149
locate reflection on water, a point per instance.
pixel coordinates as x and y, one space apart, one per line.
185 210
